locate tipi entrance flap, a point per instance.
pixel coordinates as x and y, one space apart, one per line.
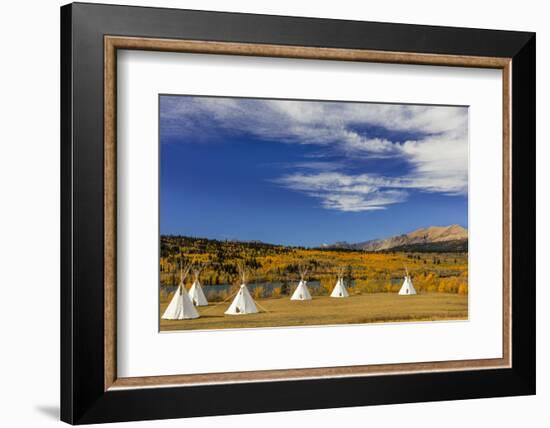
197 294
301 292
339 289
407 288
242 303
181 307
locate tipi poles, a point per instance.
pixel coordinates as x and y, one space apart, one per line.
302 269
184 271
222 302
199 267
261 307
340 274
241 268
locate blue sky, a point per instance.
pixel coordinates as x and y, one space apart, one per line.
308 172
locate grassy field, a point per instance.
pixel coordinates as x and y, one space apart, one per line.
323 310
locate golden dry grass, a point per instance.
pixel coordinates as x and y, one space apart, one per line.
324 310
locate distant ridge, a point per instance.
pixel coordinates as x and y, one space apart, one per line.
451 238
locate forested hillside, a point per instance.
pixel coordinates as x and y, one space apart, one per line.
365 272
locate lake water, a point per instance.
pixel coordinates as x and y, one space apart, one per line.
267 286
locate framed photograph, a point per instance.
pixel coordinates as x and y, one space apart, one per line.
267 234
273 213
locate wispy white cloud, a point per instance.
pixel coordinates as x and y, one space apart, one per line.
437 157
346 192
361 202
316 165
440 163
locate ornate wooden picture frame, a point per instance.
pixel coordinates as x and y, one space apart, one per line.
91 390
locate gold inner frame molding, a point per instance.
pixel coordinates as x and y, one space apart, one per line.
113 43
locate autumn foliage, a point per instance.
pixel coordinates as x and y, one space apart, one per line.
364 272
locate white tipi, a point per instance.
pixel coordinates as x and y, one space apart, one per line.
195 292
180 307
301 292
407 289
243 303
340 289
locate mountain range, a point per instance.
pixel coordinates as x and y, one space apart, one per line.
453 238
